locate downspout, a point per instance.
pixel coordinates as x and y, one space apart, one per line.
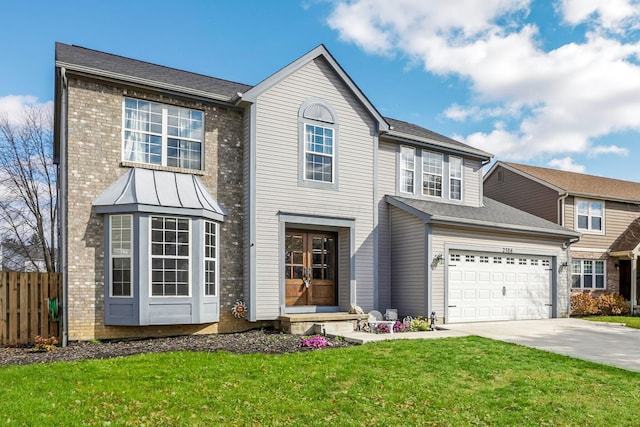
561 208
62 96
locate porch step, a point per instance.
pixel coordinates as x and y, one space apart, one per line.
320 323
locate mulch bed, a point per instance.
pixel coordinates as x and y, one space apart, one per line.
255 341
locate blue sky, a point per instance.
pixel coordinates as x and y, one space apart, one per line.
547 83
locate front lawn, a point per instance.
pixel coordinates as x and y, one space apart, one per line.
630 321
441 382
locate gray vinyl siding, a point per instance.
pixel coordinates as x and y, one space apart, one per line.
472 182
617 217
277 189
408 289
386 185
522 193
445 238
248 187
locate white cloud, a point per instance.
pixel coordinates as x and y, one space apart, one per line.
566 164
13 106
562 99
612 15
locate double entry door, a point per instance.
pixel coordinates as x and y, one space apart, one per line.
311 268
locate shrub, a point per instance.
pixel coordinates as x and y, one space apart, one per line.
419 324
612 305
582 304
315 341
45 344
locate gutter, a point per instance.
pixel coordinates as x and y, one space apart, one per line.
561 200
503 227
142 81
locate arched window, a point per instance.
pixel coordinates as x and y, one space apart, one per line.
318 124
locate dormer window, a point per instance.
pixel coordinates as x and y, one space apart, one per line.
163 135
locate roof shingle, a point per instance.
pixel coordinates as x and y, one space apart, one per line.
126 67
582 184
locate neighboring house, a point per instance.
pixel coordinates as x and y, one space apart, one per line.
605 211
183 194
15 256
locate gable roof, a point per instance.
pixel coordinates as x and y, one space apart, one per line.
116 67
321 51
577 183
402 131
493 215
629 240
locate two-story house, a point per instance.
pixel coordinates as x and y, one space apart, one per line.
182 195
604 211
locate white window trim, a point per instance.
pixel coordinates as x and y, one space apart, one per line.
188 257
164 136
214 259
593 274
461 179
332 155
589 230
402 169
112 256
424 173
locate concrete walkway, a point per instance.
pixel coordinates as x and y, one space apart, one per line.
607 343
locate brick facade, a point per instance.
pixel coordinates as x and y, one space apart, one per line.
94 159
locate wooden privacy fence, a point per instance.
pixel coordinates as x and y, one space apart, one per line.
28 303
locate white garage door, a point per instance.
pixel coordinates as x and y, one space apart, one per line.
490 286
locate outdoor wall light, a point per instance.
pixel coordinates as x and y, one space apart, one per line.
436 260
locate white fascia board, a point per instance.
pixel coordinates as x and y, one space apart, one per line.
252 94
433 143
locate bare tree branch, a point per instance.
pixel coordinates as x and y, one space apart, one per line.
28 191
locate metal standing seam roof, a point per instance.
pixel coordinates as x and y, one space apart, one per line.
146 190
493 215
582 184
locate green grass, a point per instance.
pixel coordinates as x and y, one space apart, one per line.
467 381
630 321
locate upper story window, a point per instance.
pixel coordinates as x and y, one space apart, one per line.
318 163
455 178
318 144
407 169
590 215
163 135
431 174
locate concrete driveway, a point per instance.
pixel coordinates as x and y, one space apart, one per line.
606 343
